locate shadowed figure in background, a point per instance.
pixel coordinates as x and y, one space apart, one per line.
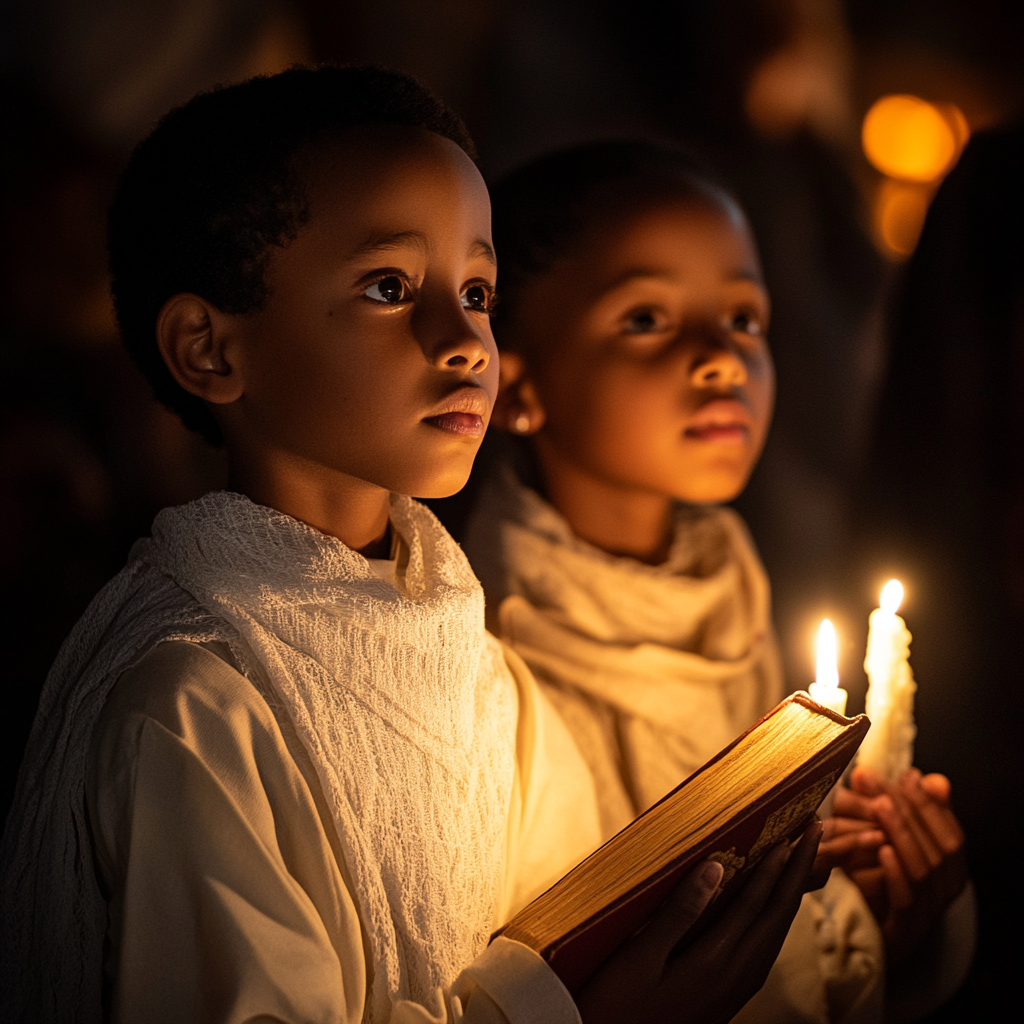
943 505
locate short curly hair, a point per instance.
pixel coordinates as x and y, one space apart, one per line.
541 211
211 192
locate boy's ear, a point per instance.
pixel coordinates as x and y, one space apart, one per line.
518 407
194 337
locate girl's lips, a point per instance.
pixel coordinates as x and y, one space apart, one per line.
724 420
466 424
735 433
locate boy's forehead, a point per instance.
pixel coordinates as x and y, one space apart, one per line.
366 156
390 180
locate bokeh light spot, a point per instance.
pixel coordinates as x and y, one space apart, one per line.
899 212
908 138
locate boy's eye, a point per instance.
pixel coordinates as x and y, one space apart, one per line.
746 323
644 321
389 290
478 298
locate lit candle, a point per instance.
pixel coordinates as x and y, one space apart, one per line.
825 689
888 747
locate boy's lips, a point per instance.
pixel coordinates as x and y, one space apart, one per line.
462 412
723 419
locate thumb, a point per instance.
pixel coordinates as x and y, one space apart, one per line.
683 905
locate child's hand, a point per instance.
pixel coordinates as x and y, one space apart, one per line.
847 841
651 978
922 867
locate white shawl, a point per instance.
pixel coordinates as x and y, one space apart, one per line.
654 668
403 702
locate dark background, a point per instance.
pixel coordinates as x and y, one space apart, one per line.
896 443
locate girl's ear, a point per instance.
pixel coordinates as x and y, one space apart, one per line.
195 341
518 407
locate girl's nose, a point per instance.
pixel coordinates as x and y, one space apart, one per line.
719 366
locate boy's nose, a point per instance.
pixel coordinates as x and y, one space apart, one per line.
719 366
456 342
467 352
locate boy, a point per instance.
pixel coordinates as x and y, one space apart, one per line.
280 772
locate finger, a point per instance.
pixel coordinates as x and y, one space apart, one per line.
902 838
800 864
680 911
870 881
860 859
915 824
792 883
897 885
934 815
851 804
837 827
768 932
820 874
867 782
841 849
749 901
937 786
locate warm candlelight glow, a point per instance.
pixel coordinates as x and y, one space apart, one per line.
825 688
914 144
827 671
888 747
892 597
909 138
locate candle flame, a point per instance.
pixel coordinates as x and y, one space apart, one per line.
892 597
828 672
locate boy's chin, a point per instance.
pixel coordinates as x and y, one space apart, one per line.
444 485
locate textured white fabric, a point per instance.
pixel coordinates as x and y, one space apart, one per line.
52 914
654 668
519 982
229 897
405 707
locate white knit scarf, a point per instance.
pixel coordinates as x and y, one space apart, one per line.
654 668
402 701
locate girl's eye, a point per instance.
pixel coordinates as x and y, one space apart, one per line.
644 321
389 290
478 298
746 323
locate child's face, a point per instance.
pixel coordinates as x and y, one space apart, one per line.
373 356
648 353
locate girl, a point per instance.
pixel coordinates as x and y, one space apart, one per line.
635 369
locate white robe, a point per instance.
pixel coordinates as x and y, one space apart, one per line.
405 708
229 895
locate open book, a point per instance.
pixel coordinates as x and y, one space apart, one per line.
760 790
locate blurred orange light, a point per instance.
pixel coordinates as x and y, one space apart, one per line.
910 139
899 212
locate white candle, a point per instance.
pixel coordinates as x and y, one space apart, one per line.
888 747
825 689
